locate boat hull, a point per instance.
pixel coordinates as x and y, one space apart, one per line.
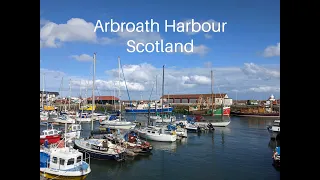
157 137
84 120
126 127
53 176
51 139
271 115
214 124
168 110
100 156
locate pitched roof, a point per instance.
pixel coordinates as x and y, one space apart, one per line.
192 96
48 92
104 98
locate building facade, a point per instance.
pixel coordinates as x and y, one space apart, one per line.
48 96
203 99
104 100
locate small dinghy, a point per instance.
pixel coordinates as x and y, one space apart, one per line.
276 157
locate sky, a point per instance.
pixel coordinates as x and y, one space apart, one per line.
245 58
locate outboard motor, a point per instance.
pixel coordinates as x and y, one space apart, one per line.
198 129
210 126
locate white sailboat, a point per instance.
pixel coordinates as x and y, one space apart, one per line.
64 119
165 119
114 122
158 133
84 117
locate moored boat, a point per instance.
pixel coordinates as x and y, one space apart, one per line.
154 133
51 135
101 149
64 163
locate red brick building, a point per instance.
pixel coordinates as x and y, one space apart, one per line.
104 100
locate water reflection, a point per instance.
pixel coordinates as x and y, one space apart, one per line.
273 144
164 146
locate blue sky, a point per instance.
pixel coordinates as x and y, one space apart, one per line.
245 58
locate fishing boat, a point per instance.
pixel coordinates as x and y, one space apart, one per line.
44 116
101 149
64 163
51 135
274 130
154 108
73 131
84 117
114 122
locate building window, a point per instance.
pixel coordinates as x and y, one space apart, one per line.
70 161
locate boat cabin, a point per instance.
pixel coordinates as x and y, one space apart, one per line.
276 126
50 132
65 158
75 127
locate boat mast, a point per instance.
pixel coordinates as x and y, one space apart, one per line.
162 93
80 96
42 90
155 103
69 94
119 89
212 100
93 100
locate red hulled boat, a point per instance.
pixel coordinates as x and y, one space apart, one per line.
51 135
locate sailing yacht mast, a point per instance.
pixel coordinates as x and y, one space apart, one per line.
162 93
212 100
42 90
119 89
93 100
69 94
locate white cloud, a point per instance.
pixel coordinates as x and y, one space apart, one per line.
207 36
196 79
53 35
271 51
83 58
255 71
265 89
250 81
201 50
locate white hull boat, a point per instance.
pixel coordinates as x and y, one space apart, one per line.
114 122
63 163
44 118
158 119
157 134
83 119
274 130
64 119
182 132
74 131
214 124
119 125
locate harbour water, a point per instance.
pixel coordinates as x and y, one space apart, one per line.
241 151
